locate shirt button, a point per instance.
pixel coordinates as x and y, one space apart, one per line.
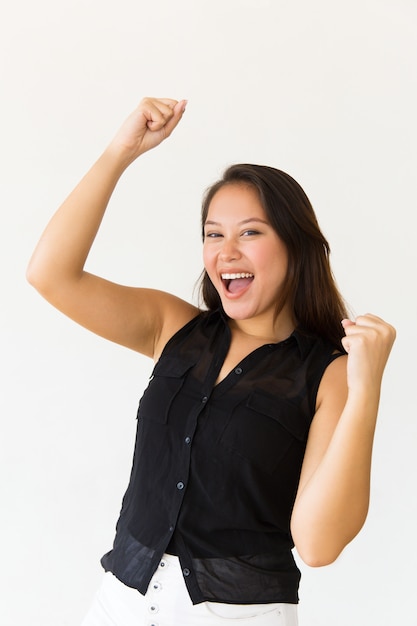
204 399
186 571
238 370
156 586
162 564
180 485
154 608
187 440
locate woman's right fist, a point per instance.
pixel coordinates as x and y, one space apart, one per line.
147 126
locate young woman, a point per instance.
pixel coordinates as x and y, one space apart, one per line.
255 432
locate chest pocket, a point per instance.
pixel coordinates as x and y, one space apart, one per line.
166 381
264 429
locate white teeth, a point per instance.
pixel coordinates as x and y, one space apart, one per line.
233 276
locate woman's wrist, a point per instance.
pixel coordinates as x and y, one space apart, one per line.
117 158
363 403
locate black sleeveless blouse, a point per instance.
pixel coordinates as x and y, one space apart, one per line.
216 467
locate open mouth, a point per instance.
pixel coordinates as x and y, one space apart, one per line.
235 283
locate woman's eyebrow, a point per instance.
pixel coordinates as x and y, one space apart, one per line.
246 221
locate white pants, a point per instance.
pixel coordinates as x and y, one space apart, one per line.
167 603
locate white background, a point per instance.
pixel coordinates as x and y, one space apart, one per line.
325 90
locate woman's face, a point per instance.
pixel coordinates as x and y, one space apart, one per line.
243 255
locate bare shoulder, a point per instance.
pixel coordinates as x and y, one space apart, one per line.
333 385
331 399
153 317
174 314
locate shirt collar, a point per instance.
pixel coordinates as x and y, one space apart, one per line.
303 339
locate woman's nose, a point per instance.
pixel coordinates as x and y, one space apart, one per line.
230 250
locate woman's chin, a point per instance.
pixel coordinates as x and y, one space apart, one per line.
237 311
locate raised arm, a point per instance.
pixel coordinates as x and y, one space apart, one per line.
141 319
333 495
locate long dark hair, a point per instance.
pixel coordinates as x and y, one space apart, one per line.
309 287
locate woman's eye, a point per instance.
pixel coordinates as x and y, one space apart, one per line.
212 235
248 233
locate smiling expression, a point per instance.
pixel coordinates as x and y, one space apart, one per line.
243 255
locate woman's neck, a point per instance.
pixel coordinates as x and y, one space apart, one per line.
264 330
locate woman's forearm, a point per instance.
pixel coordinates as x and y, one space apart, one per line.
64 246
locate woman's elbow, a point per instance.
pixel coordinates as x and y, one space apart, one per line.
45 278
321 544
31 276
35 277
322 548
314 557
